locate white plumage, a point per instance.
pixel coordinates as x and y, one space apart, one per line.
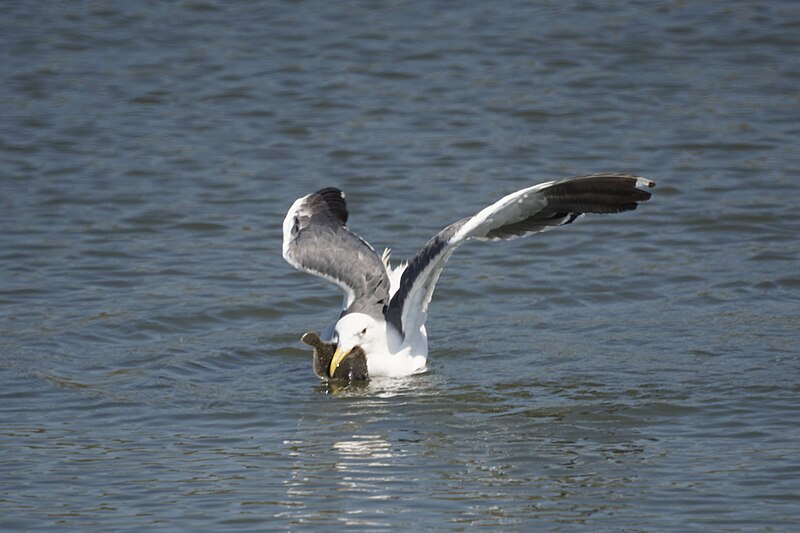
385 308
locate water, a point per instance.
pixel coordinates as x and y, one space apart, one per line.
636 373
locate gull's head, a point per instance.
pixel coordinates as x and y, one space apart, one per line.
356 330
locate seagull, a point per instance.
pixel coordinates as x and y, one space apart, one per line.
385 307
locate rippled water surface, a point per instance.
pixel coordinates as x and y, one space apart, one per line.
638 372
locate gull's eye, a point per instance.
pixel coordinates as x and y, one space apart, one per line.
364 331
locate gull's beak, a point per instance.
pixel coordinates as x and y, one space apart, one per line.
338 356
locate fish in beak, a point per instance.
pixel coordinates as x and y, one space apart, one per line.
330 363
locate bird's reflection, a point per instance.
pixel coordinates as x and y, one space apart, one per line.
369 450
358 470
382 388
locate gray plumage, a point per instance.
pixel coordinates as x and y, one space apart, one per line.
321 244
317 240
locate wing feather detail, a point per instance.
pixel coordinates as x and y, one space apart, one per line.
525 212
316 240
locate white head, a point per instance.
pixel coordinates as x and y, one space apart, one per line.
357 329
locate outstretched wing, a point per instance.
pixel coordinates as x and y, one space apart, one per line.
316 240
525 212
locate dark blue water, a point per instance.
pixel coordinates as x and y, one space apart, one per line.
638 372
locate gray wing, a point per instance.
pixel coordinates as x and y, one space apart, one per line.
316 240
525 212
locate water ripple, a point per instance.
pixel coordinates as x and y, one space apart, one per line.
625 373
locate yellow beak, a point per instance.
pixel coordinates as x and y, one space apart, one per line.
338 356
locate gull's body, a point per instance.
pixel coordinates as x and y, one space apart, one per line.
386 307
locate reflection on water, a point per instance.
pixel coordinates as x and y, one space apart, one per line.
383 388
347 481
489 458
363 448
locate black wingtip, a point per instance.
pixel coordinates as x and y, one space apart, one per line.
332 200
